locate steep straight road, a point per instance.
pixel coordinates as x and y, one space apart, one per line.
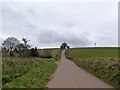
68 75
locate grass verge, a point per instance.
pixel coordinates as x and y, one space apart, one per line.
36 73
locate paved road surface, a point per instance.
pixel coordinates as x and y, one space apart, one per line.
68 75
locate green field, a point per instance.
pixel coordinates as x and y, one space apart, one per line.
93 52
49 52
101 62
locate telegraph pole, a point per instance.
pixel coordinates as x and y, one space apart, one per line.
94 44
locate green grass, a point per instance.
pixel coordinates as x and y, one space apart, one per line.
101 62
27 73
93 52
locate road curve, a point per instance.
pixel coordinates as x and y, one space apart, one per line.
68 75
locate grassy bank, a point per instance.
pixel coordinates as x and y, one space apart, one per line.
26 72
101 62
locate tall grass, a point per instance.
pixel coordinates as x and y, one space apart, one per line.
26 73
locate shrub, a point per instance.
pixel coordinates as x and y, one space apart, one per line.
34 52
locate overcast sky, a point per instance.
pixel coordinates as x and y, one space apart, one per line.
46 24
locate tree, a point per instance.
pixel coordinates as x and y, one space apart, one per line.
68 47
4 49
10 43
63 46
20 47
26 45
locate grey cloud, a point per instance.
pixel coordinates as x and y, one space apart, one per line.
78 24
16 21
51 36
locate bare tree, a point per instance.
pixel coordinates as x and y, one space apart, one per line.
10 43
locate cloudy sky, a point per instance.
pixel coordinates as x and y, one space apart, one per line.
48 24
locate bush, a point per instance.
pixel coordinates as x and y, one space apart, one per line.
34 52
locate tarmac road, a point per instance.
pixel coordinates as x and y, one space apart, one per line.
68 75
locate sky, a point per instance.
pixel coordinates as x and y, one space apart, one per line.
49 24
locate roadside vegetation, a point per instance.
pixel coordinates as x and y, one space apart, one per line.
27 73
26 67
101 62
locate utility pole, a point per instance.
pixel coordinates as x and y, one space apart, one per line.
94 44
